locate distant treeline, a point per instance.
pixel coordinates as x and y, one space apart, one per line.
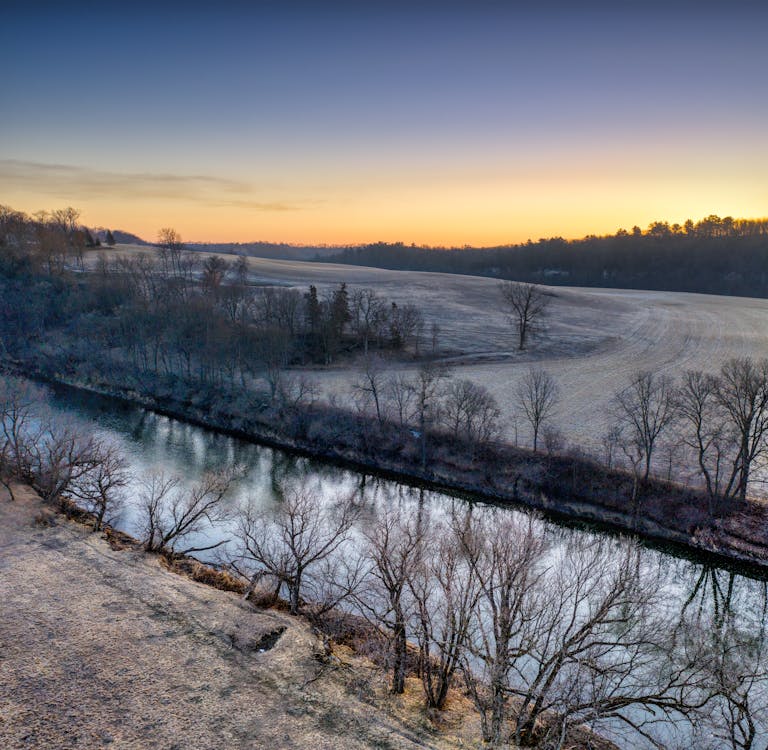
715 256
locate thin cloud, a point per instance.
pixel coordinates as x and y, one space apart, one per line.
72 182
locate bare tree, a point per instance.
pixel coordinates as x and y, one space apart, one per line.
296 544
644 409
177 265
610 442
434 332
400 394
504 552
100 488
742 392
171 248
171 513
706 432
279 309
214 270
538 395
445 591
735 658
741 679
527 305
597 648
405 325
368 313
568 634
20 407
370 385
426 387
296 394
62 454
52 454
273 351
393 549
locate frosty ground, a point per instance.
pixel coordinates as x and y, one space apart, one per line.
594 339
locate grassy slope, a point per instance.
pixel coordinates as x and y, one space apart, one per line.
100 647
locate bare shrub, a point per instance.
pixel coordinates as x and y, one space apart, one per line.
554 440
100 489
370 386
62 455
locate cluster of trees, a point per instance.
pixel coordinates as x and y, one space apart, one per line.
715 255
713 424
529 626
57 457
49 239
543 634
428 402
174 317
720 420
177 314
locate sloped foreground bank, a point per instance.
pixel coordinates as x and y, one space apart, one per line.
106 648
103 645
568 488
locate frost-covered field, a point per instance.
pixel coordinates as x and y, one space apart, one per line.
595 338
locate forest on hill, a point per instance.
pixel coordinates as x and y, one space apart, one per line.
713 256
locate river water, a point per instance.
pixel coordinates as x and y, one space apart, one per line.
153 442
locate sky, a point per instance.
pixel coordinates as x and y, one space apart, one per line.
477 123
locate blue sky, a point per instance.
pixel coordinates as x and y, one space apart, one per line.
451 124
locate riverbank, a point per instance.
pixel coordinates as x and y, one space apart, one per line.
568 489
165 652
102 647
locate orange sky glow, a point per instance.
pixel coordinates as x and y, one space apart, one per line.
353 123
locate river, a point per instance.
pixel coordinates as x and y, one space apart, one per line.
154 442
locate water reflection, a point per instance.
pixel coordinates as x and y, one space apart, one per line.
726 608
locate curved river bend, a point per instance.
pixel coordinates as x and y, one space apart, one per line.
153 442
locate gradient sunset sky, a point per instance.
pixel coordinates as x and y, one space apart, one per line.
453 123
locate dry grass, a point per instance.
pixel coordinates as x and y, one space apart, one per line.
100 647
103 645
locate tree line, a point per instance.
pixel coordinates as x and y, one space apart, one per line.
714 256
176 314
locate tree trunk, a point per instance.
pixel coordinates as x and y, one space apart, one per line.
295 591
399 644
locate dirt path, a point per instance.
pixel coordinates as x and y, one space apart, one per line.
100 648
